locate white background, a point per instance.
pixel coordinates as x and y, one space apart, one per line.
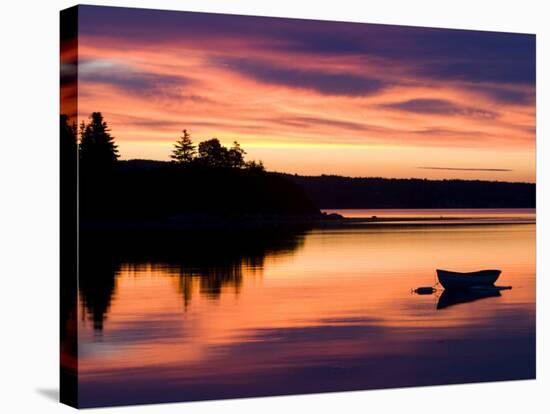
29 206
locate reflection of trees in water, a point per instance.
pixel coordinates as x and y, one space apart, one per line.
212 261
213 277
97 287
211 280
224 264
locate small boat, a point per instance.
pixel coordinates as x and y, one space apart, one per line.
458 280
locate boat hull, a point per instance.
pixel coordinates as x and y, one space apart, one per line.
457 280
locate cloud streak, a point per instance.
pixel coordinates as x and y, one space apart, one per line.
440 107
320 81
466 169
131 80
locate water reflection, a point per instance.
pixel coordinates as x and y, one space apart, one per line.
211 261
457 297
97 287
303 311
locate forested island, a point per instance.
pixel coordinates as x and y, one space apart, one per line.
204 185
208 183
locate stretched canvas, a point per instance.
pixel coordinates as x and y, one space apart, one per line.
257 206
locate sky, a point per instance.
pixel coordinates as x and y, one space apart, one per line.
313 97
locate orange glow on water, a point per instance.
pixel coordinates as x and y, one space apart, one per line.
339 279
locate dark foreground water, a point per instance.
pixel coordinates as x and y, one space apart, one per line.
322 310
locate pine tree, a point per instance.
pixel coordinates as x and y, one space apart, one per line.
97 146
184 149
236 156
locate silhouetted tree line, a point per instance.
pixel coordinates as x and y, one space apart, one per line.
163 188
97 149
330 191
209 178
211 153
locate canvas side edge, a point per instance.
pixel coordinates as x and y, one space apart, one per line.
68 208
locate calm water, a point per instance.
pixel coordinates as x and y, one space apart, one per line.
473 213
320 310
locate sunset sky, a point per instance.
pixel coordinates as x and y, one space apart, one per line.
314 97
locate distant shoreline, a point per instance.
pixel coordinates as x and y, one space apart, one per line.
437 216
426 221
160 162
378 222
234 223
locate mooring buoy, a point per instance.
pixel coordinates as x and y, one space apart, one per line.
424 290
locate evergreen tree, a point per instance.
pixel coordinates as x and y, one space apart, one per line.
184 149
97 146
236 156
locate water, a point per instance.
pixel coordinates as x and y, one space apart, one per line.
472 213
309 311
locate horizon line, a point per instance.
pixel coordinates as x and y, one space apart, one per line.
365 176
466 169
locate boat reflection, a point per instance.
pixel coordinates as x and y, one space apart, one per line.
456 297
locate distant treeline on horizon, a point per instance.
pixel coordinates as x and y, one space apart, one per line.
329 191
333 191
